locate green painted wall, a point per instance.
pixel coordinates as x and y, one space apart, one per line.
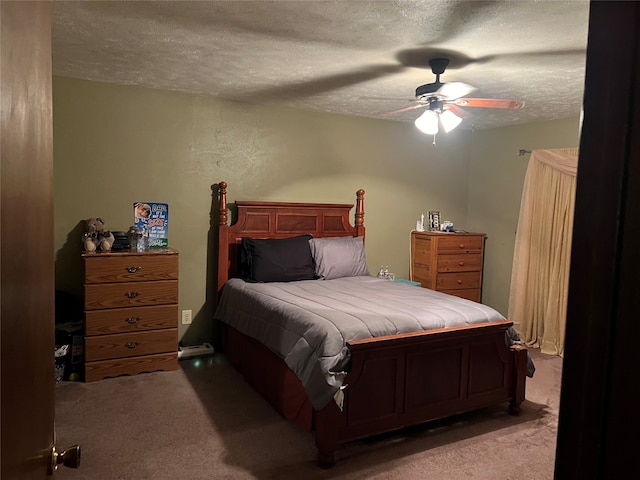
114 145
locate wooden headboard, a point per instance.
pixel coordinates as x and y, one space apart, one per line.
280 220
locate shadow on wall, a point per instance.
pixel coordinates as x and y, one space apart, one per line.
205 315
68 266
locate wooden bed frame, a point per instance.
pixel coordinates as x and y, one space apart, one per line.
394 381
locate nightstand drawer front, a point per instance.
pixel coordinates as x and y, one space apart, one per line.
120 345
130 268
460 244
122 320
466 262
472 294
453 281
138 294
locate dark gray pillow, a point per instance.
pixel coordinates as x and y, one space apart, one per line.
337 257
277 259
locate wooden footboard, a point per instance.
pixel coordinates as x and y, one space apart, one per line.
405 380
394 382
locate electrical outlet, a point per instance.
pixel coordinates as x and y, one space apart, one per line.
186 317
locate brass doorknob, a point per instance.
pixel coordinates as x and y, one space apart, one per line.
69 457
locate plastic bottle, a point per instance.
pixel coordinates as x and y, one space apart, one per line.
143 239
132 235
384 272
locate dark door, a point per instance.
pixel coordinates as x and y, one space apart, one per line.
598 427
26 234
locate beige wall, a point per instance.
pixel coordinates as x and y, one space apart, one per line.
114 145
497 176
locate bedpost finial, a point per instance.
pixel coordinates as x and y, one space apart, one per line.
359 220
222 205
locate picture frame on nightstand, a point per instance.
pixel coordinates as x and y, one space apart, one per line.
434 220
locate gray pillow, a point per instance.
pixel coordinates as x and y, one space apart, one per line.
337 257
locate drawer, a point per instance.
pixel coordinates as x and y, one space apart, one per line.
122 320
464 262
130 268
134 294
129 366
422 250
422 275
472 294
455 281
119 345
460 243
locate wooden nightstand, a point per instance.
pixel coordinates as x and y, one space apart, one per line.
449 262
131 313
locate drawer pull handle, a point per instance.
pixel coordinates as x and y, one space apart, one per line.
133 269
461 245
132 294
132 320
461 264
132 344
459 282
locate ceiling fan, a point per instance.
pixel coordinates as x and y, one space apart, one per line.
443 101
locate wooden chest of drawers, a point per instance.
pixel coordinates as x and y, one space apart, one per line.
449 262
131 313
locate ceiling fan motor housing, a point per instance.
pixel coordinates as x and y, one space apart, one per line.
438 66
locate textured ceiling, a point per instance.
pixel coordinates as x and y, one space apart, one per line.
362 58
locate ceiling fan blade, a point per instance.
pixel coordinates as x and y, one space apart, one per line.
457 110
453 90
406 109
488 103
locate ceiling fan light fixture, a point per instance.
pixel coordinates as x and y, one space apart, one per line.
449 120
428 122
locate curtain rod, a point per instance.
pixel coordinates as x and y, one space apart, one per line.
522 152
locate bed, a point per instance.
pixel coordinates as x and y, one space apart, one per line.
401 371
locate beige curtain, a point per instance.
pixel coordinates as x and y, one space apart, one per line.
540 275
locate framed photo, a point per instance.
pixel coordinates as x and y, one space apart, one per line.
434 220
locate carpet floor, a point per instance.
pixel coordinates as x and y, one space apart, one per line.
203 421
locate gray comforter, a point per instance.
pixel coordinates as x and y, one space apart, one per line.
309 322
